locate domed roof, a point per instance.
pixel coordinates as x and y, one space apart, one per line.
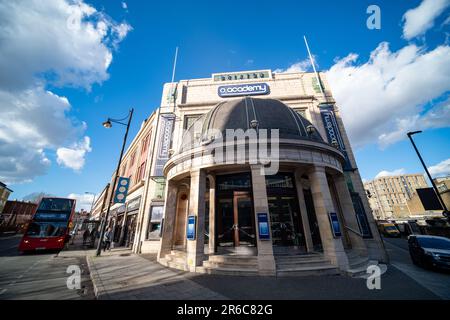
247 113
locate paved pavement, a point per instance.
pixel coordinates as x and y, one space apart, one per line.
436 281
123 275
39 276
127 276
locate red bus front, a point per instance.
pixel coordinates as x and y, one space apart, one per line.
49 227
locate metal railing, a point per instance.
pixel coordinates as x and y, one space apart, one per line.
354 231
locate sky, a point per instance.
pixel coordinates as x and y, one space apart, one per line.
65 66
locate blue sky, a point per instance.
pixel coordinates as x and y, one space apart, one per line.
228 36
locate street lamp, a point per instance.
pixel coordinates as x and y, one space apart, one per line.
108 124
410 134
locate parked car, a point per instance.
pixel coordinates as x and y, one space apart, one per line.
389 229
429 251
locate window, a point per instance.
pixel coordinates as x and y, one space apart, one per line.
133 157
141 172
145 143
123 169
189 120
154 227
301 112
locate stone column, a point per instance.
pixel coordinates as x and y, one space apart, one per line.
212 211
195 248
266 261
348 213
303 210
170 209
323 204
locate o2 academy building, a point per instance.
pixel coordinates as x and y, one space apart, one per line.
252 173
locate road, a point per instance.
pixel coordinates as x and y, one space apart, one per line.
435 281
39 276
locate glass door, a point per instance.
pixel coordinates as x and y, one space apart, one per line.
285 219
236 223
244 231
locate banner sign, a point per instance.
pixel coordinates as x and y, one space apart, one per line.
133 205
120 195
263 226
361 217
335 227
236 90
333 133
233 76
190 232
165 137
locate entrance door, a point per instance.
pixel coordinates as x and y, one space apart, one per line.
286 224
244 227
236 223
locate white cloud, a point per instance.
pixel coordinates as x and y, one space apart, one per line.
74 157
47 43
386 173
124 5
438 117
441 169
420 19
384 97
84 201
300 66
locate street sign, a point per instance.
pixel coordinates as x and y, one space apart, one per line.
122 190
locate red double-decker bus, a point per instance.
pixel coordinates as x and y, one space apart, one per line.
49 226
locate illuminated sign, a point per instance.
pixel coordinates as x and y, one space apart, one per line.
190 232
335 227
263 226
249 75
49 216
243 90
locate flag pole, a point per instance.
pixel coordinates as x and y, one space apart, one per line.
172 93
314 68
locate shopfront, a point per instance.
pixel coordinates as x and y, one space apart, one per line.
129 228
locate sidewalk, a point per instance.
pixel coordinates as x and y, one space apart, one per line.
120 274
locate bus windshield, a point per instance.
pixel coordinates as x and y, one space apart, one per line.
55 204
46 229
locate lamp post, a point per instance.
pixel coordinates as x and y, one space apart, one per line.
108 124
410 134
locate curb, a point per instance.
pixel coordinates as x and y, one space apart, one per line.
99 290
